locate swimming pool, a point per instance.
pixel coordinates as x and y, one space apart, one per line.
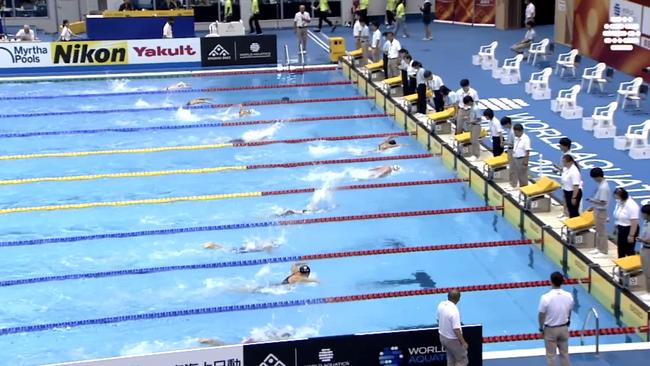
100 192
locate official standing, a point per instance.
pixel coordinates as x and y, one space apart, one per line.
554 316
571 185
167 29
323 11
520 155
365 41
227 11
422 77
451 333
496 131
645 250
599 204
300 22
463 111
376 42
626 218
436 84
393 46
255 17
474 123
405 64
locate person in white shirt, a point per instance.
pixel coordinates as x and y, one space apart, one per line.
474 126
412 80
496 131
462 117
66 33
365 41
599 204
167 29
450 97
435 84
405 68
626 218
393 46
554 316
356 31
519 157
529 38
645 250
376 42
530 11
300 22
450 330
572 186
565 147
26 34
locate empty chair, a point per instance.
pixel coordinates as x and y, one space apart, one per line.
630 90
512 66
567 98
567 61
593 74
539 48
604 116
538 85
486 53
637 135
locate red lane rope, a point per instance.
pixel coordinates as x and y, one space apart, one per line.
573 333
276 86
365 186
388 215
444 290
303 119
415 249
267 71
324 138
338 161
290 101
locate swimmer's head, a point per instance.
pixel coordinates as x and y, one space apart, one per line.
395 167
392 142
285 99
304 269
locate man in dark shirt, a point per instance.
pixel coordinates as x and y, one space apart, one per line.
126 6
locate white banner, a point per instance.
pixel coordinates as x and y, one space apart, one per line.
25 54
156 51
624 8
221 356
645 25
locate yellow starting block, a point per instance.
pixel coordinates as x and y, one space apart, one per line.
358 53
373 68
391 84
411 99
535 196
496 166
465 137
577 230
439 121
628 272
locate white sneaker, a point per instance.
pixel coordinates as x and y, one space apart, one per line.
600 255
594 251
471 158
561 216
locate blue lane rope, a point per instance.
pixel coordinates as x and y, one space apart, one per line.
101 130
104 111
125 272
91 95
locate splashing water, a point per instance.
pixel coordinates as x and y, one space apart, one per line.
261 134
322 149
142 104
271 332
186 115
323 198
146 347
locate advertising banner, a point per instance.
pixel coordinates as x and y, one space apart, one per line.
90 53
445 10
23 54
464 11
155 51
241 50
593 19
485 11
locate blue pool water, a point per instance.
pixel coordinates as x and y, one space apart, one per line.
501 312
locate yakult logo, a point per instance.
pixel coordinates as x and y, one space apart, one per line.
160 51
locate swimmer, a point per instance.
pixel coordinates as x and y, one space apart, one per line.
248 247
243 111
272 334
383 171
389 143
197 101
211 342
293 212
178 86
299 274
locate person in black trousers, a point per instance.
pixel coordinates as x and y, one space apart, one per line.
422 77
572 186
626 216
495 131
405 64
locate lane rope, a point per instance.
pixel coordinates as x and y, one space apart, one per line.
279 304
572 333
179 91
157 173
147 150
220 196
195 125
203 106
259 224
263 261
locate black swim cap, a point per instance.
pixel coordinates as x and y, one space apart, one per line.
392 142
304 269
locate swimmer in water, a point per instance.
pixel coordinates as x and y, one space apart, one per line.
293 212
299 274
272 334
383 171
243 111
178 86
197 101
389 143
249 247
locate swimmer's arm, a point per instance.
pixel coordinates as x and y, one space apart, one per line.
308 280
211 342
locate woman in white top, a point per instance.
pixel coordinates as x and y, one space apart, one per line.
66 33
626 216
572 186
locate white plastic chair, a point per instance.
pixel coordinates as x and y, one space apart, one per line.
540 79
637 135
212 28
630 90
594 74
566 61
487 51
539 48
604 116
568 97
513 65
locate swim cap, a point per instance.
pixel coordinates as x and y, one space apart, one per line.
304 269
392 142
395 167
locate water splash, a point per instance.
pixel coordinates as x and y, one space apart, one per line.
261 134
321 149
186 115
147 347
142 104
323 198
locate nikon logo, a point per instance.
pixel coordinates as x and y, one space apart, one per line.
90 53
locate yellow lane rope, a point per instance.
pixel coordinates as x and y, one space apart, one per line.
131 202
122 175
115 151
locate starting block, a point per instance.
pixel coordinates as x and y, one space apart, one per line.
536 196
439 121
411 99
628 272
496 168
577 231
392 85
463 142
375 69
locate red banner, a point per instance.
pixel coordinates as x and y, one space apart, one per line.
485 11
445 10
590 17
464 11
